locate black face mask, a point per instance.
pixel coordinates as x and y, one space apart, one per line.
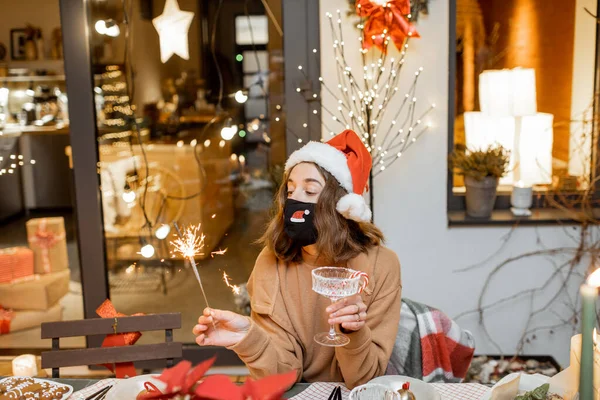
299 222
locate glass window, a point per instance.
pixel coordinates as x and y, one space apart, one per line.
251 30
38 241
524 79
184 143
255 61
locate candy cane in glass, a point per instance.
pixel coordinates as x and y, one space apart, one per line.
336 283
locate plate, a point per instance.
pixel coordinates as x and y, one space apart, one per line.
131 387
421 390
65 396
527 383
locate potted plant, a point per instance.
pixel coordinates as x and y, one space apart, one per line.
482 169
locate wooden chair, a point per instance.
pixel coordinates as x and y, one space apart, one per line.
57 358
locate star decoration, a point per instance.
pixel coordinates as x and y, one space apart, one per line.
172 27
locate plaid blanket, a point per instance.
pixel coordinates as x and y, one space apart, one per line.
430 346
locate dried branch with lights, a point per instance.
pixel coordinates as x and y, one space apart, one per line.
364 98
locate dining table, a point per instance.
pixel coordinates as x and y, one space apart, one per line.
83 388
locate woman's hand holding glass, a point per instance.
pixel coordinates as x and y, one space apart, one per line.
349 312
220 328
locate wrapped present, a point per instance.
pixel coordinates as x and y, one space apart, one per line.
15 263
47 239
39 293
12 321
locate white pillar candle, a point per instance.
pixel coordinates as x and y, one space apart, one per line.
522 195
24 365
575 358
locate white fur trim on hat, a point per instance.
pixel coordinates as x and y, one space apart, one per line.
353 206
327 157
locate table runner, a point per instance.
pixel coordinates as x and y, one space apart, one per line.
322 390
89 390
448 391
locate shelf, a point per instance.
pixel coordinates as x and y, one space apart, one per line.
34 64
540 216
43 78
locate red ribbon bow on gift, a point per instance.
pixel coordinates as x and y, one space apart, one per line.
5 317
183 380
385 20
45 240
107 310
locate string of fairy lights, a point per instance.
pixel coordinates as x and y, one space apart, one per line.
10 158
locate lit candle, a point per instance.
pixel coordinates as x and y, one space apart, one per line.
589 294
521 199
24 365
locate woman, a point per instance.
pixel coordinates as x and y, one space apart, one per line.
322 219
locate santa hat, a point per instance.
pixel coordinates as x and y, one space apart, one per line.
348 160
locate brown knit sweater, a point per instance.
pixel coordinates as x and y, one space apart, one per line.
286 314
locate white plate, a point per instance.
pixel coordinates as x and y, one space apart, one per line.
527 383
131 387
421 390
65 396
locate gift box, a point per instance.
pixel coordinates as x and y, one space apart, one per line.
38 293
47 239
12 321
15 262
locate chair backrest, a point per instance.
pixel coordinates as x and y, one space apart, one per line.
57 358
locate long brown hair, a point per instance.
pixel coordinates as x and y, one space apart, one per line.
339 239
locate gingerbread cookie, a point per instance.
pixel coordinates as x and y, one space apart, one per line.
22 390
9 383
54 393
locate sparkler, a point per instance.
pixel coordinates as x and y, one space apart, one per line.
234 288
189 244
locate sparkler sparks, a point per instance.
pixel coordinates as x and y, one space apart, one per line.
189 243
218 252
234 288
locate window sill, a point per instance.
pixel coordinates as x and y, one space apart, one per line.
540 216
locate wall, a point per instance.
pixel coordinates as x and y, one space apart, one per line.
410 207
44 14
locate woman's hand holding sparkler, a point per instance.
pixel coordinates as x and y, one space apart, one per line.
220 328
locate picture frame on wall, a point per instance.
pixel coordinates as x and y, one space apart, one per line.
18 38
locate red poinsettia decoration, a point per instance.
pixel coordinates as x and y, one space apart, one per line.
386 20
121 370
183 380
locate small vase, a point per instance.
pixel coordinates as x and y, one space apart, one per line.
480 196
30 50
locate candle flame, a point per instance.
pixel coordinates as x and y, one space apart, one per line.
190 243
235 289
594 278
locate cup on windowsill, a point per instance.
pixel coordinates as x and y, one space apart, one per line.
521 199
